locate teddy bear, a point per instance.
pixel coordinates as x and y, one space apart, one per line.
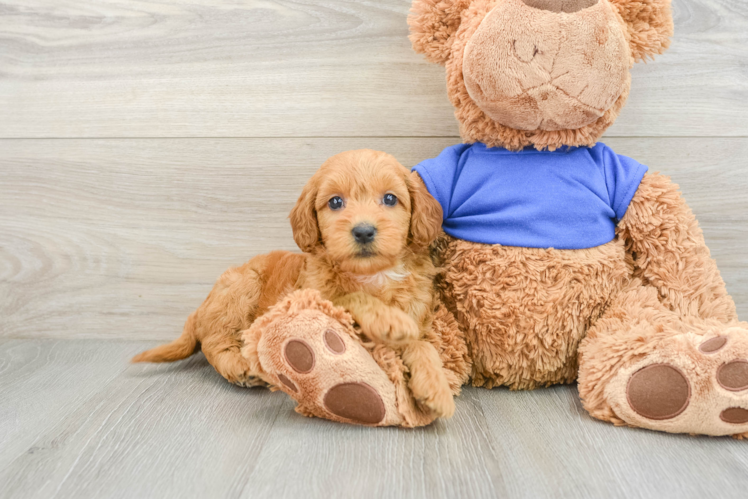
560 260
565 261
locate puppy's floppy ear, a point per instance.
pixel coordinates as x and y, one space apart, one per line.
425 213
304 219
433 24
649 24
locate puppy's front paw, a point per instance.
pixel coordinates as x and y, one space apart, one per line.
391 325
428 382
439 400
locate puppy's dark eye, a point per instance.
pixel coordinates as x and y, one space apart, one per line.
390 200
335 203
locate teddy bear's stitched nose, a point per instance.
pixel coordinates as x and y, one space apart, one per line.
567 6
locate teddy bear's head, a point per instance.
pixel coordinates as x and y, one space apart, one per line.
546 73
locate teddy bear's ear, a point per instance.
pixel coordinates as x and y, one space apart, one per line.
433 23
650 25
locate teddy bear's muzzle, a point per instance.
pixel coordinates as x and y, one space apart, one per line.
560 5
547 64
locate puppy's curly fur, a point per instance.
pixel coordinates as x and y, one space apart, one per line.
383 276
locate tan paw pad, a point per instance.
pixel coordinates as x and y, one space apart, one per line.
355 401
299 356
713 345
658 392
333 342
287 382
733 376
734 416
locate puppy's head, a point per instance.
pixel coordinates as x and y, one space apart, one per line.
365 210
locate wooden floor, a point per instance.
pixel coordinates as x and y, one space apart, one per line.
147 146
77 421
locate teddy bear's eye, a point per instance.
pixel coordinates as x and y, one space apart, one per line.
390 200
335 203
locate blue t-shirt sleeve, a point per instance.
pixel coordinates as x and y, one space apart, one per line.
439 174
622 177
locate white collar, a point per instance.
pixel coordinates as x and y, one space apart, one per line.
397 273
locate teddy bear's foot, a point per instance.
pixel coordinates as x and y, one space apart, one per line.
695 384
328 373
307 348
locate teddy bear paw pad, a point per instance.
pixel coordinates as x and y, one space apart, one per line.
355 401
327 371
658 392
734 415
299 356
733 376
691 383
713 345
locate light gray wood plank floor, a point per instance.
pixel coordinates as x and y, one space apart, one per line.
78 421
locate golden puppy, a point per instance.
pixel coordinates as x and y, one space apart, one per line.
364 223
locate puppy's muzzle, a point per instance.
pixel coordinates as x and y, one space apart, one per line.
364 233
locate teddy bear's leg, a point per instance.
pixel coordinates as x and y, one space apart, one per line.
643 365
307 348
669 253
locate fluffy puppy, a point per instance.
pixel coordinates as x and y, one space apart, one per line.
364 223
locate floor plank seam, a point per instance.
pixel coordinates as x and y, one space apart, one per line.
332 137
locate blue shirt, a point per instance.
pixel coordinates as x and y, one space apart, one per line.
568 198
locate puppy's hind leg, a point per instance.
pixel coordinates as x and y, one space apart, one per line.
428 382
224 355
231 308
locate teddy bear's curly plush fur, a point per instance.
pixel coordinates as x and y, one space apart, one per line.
644 322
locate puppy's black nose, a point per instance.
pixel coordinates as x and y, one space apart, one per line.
364 233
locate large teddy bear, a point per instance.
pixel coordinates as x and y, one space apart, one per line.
560 259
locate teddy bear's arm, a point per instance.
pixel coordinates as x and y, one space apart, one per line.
667 245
